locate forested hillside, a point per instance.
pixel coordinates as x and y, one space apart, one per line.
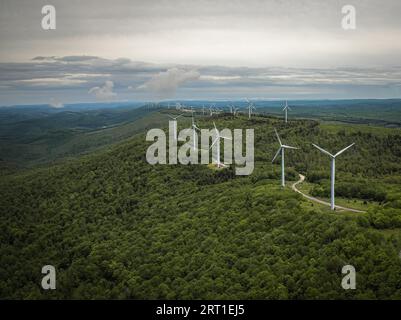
116 227
42 137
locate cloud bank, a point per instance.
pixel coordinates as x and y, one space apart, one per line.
56 103
104 93
165 84
90 78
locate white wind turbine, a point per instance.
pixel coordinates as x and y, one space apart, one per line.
281 149
232 108
250 108
211 109
194 128
235 111
217 140
285 109
175 125
333 169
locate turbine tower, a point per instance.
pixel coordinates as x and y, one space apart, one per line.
286 108
194 128
333 168
250 108
217 140
281 149
235 111
175 125
232 109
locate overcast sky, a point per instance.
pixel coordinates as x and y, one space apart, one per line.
182 49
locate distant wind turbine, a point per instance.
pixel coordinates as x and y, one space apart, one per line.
333 168
211 109
285 109
250 108
232 108
217 140
194 128
235 111
281 149
175 125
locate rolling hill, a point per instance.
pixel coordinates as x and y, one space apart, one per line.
116 227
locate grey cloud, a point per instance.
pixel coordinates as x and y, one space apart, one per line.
105 92
64 78
56 103
134 25
165 84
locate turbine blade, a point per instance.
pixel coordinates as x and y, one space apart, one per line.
178 116
277 153
340 152
225 138
214 142
324 151
289 147
279 140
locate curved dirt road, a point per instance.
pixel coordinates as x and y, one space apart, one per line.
301 179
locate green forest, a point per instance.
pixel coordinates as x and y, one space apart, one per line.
116 227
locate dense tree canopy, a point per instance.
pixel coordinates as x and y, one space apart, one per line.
116 227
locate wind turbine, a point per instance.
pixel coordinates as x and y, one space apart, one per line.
217 140
333 168
194 128
286 108
175 125
281 149
217 110
235 111
250 108
232 108
211 109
